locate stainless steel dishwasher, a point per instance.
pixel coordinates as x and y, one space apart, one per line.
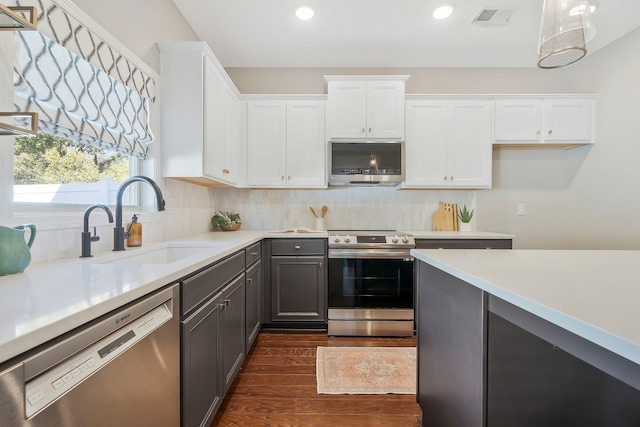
122 369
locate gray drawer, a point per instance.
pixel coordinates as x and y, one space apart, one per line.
463 243
298 247
253 253
205 284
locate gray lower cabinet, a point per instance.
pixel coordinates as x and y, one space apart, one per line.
212 337
253 303
464 243
298 281
201 394
231 332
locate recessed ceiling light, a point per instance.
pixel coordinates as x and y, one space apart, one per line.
443 12
304 13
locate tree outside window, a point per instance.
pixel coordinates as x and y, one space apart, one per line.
51 169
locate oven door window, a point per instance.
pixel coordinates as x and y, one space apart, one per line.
370 283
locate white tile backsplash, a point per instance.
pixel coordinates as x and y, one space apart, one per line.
349 208
189 209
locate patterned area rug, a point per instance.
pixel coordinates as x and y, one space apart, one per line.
366 370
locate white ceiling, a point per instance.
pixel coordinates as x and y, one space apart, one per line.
383 33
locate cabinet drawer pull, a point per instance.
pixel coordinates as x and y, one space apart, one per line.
297 247
254 253
225 304
250 281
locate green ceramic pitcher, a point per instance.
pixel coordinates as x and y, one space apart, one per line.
15 254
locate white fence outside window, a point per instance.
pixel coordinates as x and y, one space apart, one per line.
103 192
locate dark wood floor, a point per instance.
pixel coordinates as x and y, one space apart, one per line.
277 387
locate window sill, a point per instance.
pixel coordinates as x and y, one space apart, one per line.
64 217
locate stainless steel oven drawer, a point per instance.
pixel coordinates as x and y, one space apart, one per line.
369 328
282 247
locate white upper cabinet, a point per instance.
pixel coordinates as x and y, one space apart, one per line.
365 107
200 116
562 121
448 143
286 145
306 144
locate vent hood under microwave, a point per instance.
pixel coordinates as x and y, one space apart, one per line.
366 163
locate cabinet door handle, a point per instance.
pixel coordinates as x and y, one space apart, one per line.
550 132
362 130
289 177
452 178
369 130
297 247
538 133
282 177
445 178
250 281
320 266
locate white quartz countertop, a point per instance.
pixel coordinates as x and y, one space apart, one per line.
594 294
52 298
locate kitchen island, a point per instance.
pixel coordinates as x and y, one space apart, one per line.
528 337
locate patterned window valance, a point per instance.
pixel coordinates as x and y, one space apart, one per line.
65 29
93 95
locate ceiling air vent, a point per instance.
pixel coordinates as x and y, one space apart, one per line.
489 16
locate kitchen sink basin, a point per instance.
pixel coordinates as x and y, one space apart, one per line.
158 256
166 254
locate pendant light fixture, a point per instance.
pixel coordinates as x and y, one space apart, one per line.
565 29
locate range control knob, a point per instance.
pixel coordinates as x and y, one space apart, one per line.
394 239
405 239
347 239
336 239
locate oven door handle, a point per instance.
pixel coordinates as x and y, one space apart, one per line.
369 254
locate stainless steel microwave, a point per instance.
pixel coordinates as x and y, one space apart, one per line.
366 163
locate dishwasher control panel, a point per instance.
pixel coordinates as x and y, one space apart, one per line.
46 388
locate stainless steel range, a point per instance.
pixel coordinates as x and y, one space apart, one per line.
371 283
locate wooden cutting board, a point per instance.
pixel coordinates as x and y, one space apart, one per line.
446 217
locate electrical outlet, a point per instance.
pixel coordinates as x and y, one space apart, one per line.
521 209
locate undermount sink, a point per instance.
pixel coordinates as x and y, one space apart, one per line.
158 256
167 254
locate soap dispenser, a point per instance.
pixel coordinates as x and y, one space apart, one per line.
134 230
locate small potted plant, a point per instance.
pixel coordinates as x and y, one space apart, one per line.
228 221
465 217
